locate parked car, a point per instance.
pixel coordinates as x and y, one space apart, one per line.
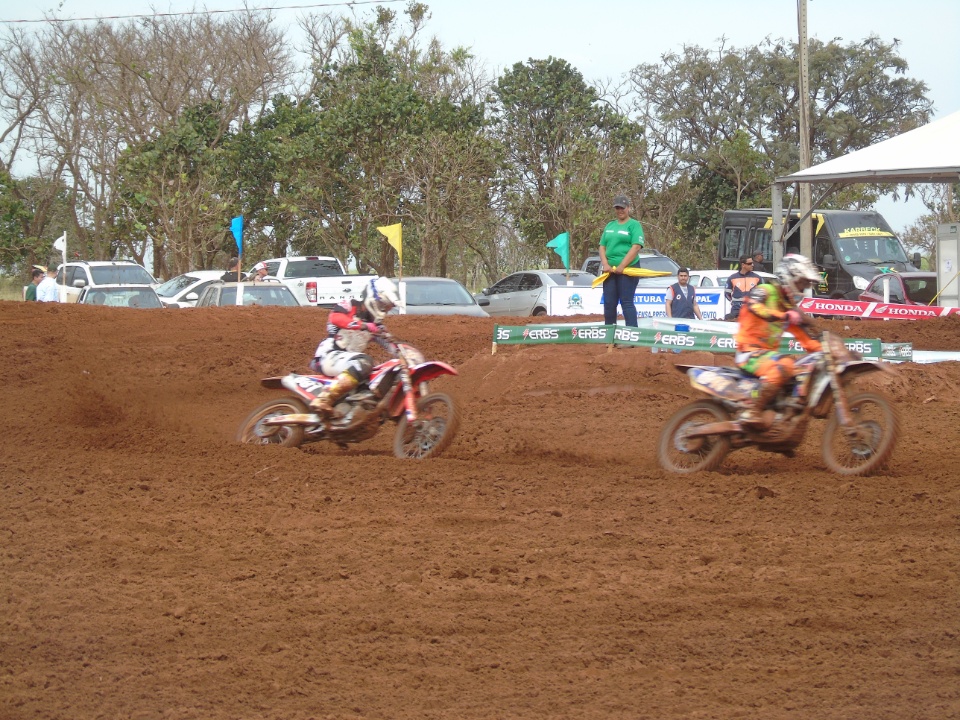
79 274
906 288
525 292
133 296
317 280
717 278
436 296
651 260
247 293
184 290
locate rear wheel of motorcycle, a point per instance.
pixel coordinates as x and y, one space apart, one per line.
254 432
682 454
433 430
869 446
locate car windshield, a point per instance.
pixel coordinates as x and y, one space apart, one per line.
123 297
312 267
426 292
579 279
120 275
272 294
174 285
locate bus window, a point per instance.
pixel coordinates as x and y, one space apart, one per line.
761 244
734 244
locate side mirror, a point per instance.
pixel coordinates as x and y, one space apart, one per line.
485 291
483 302
79 283
916 260
191 297
829 259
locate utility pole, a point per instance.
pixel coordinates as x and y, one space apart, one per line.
806 234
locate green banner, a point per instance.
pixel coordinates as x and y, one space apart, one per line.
656 340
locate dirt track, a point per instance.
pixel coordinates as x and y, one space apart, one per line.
544 566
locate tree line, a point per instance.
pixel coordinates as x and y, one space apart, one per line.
142 139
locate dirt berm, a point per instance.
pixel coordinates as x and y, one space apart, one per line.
543 567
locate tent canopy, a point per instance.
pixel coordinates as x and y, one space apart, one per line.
930 153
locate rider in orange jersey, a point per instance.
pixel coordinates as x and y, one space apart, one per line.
769 310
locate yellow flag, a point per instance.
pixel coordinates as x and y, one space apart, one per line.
394 236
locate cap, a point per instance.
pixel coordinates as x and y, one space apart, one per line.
41 268
621 201
260 266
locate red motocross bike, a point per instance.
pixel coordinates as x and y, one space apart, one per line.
397 390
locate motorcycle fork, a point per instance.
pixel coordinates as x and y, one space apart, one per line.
409 397
839 395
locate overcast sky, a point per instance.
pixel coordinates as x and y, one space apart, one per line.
606 38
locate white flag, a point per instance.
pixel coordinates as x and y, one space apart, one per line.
61 243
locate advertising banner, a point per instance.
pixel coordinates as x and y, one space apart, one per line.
858 308
650 301
656 340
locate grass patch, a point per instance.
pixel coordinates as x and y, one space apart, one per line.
11 288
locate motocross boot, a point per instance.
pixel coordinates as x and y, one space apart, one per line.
756 416
334 392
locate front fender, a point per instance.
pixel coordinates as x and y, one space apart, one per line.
429 370
862 367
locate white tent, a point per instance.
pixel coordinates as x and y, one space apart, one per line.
927 154
930 153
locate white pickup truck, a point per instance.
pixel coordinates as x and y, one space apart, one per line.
317 280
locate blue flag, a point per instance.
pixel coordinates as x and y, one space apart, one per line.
236 227
561 246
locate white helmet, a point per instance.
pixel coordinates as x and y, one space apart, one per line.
380 296
796 273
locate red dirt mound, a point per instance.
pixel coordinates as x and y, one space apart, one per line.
544 566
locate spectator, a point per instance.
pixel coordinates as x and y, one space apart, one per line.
259 272
36 275
758 261
739 285
47 289
681 297
619 245
233 273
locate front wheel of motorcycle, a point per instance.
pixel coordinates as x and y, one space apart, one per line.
433 430
253 431
868 443
680 453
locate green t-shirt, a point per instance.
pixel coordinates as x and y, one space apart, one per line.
31 292
618 239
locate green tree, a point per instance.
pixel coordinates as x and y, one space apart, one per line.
567 154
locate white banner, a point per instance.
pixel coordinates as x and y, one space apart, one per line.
650 301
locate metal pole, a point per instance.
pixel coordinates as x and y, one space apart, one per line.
806 236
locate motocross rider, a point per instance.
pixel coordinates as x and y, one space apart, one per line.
769 310
350 328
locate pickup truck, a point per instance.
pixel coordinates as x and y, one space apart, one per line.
319 281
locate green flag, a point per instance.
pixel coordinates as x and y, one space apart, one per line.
561 246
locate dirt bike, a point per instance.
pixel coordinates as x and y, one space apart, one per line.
397 390
859 438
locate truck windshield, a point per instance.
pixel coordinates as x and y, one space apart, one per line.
872 249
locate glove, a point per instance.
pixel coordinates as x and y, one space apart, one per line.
794 317
372 328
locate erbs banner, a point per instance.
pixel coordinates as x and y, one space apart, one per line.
652 338
885 311
661 340
650 301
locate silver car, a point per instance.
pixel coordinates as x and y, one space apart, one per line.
525 292
184 290
436 296
247 293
